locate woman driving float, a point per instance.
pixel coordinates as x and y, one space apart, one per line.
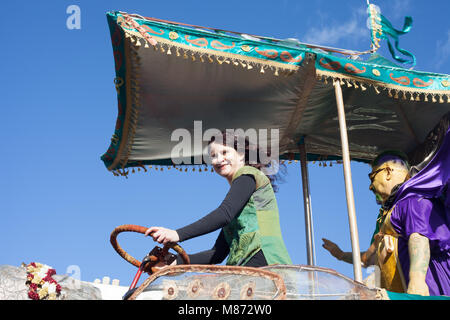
248 216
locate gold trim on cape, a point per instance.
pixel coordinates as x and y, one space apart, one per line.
392 277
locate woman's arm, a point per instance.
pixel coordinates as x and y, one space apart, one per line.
215 255
240 192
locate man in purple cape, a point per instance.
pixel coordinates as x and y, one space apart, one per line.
413 249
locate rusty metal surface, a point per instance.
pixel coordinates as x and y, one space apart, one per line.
118 248
141 229
233 270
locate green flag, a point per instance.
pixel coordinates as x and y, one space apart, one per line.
381 28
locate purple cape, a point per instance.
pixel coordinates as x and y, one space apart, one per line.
432 181
422 205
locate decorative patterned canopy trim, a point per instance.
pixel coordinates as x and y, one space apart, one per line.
397 82
205 47
129 35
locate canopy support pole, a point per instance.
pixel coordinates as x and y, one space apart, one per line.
356 254
307 205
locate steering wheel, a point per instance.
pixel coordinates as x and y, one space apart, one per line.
139 229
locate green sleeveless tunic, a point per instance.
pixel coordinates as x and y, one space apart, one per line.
257 227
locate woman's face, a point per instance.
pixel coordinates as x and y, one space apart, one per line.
225 160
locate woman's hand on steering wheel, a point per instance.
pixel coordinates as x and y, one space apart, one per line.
162 235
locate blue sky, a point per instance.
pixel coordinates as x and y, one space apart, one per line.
59 204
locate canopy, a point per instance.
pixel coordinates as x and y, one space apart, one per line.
168 76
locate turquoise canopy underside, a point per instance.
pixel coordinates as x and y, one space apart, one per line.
170 76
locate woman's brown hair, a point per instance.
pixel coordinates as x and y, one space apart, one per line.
231 139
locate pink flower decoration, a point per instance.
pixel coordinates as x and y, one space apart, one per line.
33 295
34 289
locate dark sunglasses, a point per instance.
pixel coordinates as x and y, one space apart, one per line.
374 173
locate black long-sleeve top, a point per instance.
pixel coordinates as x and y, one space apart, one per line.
237 197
